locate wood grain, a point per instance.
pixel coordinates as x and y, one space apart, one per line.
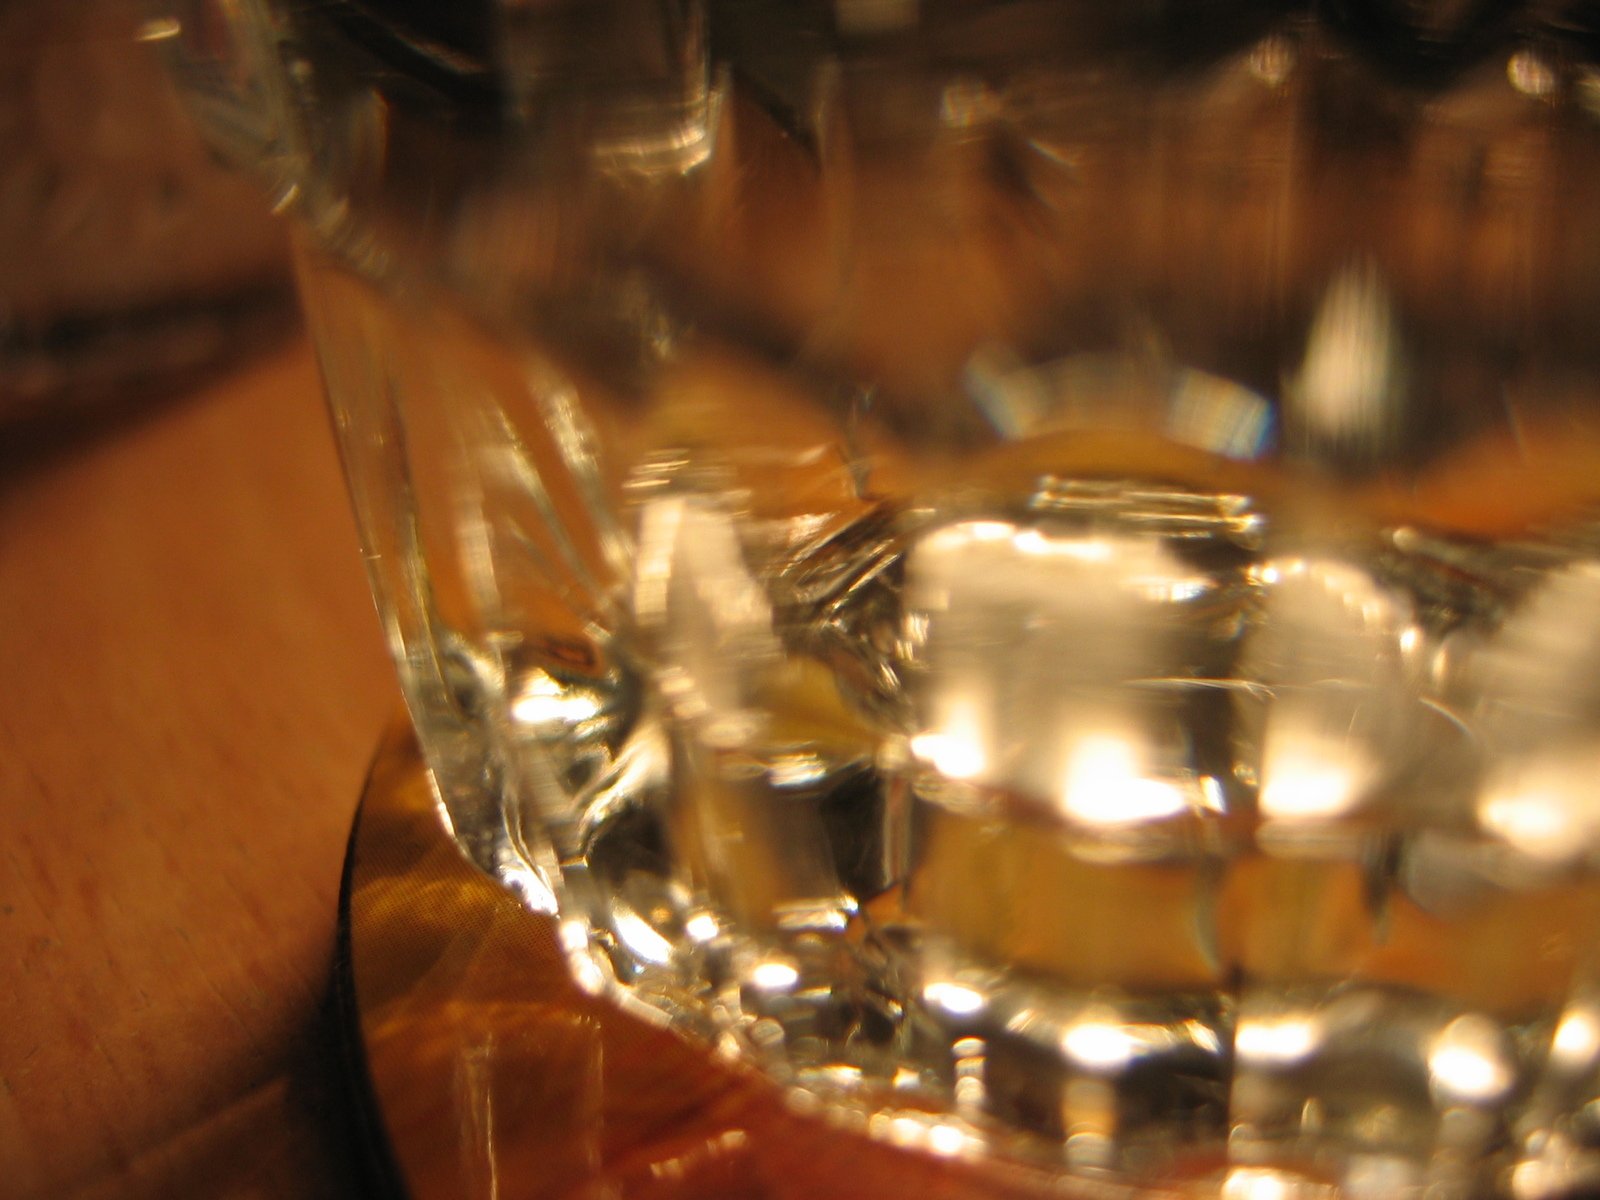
193 683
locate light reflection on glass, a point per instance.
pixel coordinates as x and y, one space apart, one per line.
957 999
1309 775
1545 806
635 933
1343 715
587 972
949 1141
545 700
1105 782
1107 1045
694 587
1084 550
1259 1183
958 749
1577 1039
685 1165
1541 671
1216 414
530 886
774 975
797 770
1190 406
1272 60
1350 387
702 927
1531 74
1280 1041
1469 1062
1026 638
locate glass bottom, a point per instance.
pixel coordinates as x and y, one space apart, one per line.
485 1072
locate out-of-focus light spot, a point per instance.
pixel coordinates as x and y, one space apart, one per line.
1546 653
1531 74
797 770
660 145
1537 824
1106 1046
1084 550
681 1166
733 729
956 999
810 914
543 701
659 526
1258 1183
1105 785
1012 397
1272 60
952 756
986 531
1545 1177
702 927
956 748
832 1075
1174 591
1544 807
634 932
159 29
1311 778
966 103
1468 1062
1577 1039
529 885
905 1079
947 1141
774 975
907 1131
585 971
1349 384
1203 1036
1212 797
694 584
1282 1041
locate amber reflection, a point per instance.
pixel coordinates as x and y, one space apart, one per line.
493 1078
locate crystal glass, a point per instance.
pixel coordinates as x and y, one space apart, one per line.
1030 569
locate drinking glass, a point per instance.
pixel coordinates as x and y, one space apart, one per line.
1031 570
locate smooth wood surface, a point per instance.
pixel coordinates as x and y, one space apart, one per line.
192 682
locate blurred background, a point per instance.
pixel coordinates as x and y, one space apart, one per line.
129 257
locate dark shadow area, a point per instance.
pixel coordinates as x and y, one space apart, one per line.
112 385
366 1133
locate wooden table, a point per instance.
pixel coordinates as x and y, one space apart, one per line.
193 683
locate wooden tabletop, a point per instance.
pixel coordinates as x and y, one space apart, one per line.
192 682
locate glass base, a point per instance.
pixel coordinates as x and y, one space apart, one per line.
484 1072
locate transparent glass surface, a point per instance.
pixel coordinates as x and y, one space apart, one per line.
1031 569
